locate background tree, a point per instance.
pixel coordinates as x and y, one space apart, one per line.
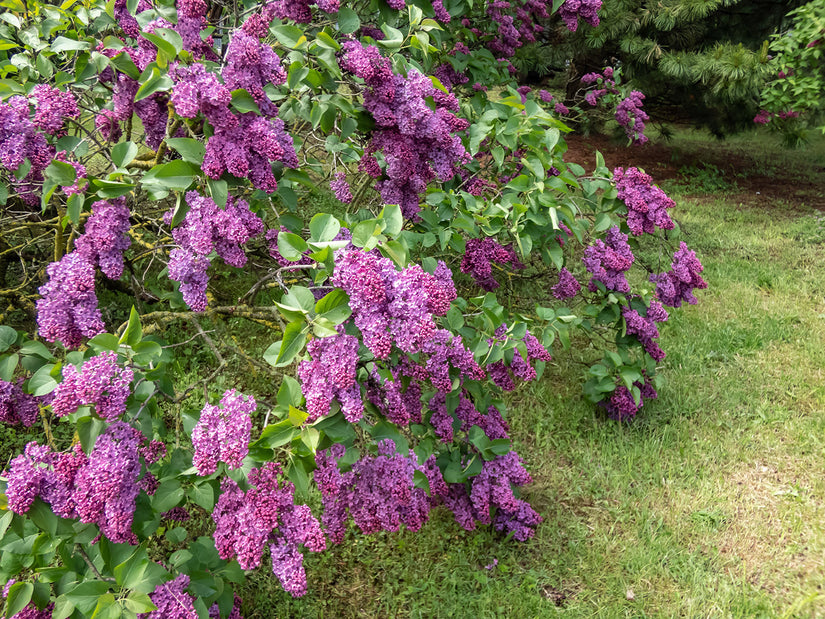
706 61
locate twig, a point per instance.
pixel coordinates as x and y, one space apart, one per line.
91 565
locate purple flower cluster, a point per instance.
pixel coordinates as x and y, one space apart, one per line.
608 261
588 10
398 404
172 601
492 489
52 107
763 117
191 21
19 140
126 20
631 116
100 488
390 306
418 142
643 328
379 492
341 188
330 373
677 285
646 204
246 521
479 256
222 433
106 237
622 405
67 310
567 286
519 366
444 421
252 65
101 383
205 228
17 406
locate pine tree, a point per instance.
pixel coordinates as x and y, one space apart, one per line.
704 60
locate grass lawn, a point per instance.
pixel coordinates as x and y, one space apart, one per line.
712 502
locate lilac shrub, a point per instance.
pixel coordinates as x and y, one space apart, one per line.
222 433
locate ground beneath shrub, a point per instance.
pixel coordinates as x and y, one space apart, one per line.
754 180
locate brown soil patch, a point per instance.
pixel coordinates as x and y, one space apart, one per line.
663 161
775 526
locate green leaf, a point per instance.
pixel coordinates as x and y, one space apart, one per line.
291 246
177 535
393 219
323 227
243 101
107 607
124 63
61 173
348 20
139 603
219 190
334 306
277 434
64 44
603 222
88 429
177 175
111 189
85 595
8 364
42 382
62 608
204 495
288 36
74 206
124 153
295 336
133 332
20 594
167 496
105 341
190 149
37 349
156 81
129 574
366 234
8 337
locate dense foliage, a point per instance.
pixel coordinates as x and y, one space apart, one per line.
701 61
169 152
792 100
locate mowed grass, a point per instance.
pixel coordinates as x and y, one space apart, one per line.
710 504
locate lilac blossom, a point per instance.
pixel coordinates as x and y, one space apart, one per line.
571 10
631 116
67 310
101 383
567 286
52 107
643 328
379 492
222 433
17 406
677 285
621 405
646 204
608 261
245 521
105 236
330 373
172 600
341 188
479 257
